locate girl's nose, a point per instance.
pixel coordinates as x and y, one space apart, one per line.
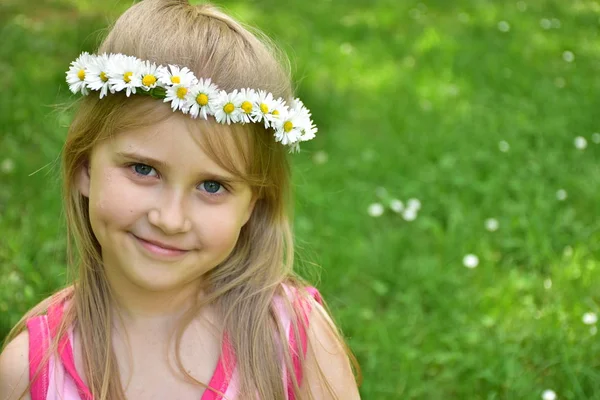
170 215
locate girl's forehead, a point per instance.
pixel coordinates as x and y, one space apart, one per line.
182 142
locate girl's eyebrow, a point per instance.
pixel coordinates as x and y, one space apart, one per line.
163 165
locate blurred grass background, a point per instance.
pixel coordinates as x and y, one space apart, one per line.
479 109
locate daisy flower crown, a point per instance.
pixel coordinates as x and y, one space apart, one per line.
112 73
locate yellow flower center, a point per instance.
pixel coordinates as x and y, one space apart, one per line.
275 112
181 92
103 76
228 108
288 126
81 74
247 107
264 108
127 76
202 99
149 80
175 79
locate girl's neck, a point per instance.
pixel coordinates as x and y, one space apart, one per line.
140 307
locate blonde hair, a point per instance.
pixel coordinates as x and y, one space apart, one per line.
242 287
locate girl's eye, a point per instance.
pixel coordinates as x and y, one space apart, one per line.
212 187
142 169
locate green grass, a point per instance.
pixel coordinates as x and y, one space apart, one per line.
408 97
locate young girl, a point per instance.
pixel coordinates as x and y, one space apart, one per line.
176 190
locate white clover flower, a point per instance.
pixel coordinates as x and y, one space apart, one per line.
409 214
397 206
548 395
521 6
547 283
503 146
124 73
580 143
77 72
249 99
503 26
320 157
375 210
174 75
7 166
205 98
561 194
593 330
180 97
149 75
568 56
470 261
414 204
228 107
96 75
491 224
545 23
589 318
596 137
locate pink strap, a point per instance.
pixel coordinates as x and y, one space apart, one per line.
222 375
305 308
39 342
65 350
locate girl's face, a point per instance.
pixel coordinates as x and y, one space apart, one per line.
156 184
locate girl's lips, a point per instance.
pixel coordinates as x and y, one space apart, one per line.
158 250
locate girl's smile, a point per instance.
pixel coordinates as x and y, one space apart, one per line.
160 250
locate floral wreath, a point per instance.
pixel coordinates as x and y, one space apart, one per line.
198 97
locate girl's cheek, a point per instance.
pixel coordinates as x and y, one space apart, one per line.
118 198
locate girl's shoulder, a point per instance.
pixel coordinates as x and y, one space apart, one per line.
14 368
326 358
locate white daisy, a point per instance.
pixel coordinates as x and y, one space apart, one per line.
180 97
96 75
289 127
249 100
204 98
279 107
228 107
124 73
263 108
173 75
149 74
308 127
77 72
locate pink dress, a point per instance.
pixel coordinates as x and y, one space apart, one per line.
59 379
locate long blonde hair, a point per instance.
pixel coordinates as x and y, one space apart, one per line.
242 287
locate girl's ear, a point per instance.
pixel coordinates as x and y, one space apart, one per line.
82 179
250 209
